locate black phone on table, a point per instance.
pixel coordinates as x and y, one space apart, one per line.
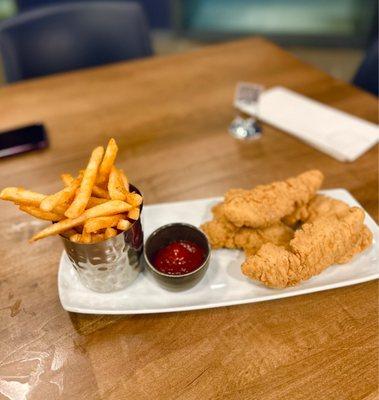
22 139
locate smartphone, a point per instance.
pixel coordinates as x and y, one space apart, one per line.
22 140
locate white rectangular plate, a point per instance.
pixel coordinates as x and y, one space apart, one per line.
223 284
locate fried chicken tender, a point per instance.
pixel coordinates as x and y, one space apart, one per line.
268 204
328 240
222 233
319 205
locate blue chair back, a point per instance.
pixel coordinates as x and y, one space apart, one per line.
367 74
25 5
157 11
71 36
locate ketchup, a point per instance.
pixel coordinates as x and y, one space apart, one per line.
179 258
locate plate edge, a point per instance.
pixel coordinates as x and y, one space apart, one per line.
228 304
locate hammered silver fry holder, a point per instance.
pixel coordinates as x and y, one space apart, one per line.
110 265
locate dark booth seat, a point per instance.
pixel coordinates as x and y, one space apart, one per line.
71 36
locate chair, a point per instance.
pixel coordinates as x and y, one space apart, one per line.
367 74
71 36
157 11
26 5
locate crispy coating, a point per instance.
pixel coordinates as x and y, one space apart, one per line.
222 233
319 205
329 239
268 204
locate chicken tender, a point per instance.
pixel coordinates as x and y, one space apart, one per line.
223 234
318 206
267 204
328 240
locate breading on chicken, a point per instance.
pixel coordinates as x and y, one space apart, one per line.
222 233
327 240
288 233
268 204
319 205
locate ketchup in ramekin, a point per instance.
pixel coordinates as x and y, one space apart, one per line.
177 255
179 258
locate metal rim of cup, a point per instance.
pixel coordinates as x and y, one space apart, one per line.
163 227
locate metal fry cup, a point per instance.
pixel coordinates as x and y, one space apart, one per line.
110 265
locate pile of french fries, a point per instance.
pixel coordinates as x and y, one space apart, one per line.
92 207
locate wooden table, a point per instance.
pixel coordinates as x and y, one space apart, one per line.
170 116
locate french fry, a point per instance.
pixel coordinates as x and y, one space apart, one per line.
77 237
134 199
90 208
111 207
63 197
124 180
22 196
97 237
86 237
100 192
72 189
60 209
134 213
110 232
68 233
79 204
38 213
95 224
95 201
108 161
115 186
67 179
124 225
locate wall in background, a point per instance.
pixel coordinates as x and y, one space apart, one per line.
315 22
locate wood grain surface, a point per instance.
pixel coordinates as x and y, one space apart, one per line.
170 117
